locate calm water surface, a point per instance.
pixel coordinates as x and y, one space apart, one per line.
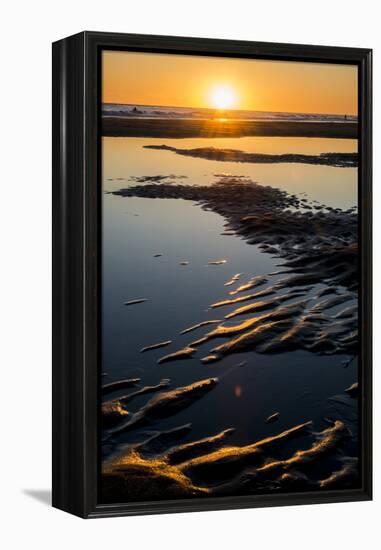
296 384
126 157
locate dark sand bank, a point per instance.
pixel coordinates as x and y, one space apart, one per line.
340 160
282 223
317 245
172 128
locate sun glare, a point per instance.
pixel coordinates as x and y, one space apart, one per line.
222 97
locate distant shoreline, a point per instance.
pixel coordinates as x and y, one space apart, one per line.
180 128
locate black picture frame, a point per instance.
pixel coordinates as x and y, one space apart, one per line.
76 280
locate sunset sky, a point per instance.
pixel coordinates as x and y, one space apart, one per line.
192 81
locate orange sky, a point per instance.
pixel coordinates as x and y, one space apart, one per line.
187 81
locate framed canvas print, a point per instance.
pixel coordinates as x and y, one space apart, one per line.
211 274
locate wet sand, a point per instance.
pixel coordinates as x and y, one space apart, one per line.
172 128
296 459
309 304
317 246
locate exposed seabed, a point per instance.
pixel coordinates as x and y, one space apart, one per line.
309 304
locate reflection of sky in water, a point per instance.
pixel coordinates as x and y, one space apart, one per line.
337 187
134 229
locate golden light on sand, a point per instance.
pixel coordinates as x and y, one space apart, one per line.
222 97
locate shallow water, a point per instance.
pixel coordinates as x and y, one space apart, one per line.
296 384
336 187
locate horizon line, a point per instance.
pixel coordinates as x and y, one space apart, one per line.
226 110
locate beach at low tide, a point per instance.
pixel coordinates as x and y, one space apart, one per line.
181 247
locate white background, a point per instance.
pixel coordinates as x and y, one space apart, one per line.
27 29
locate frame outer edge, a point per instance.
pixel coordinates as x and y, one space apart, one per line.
365 84
76 238
58 247
69 472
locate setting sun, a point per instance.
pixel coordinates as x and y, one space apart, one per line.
222 97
